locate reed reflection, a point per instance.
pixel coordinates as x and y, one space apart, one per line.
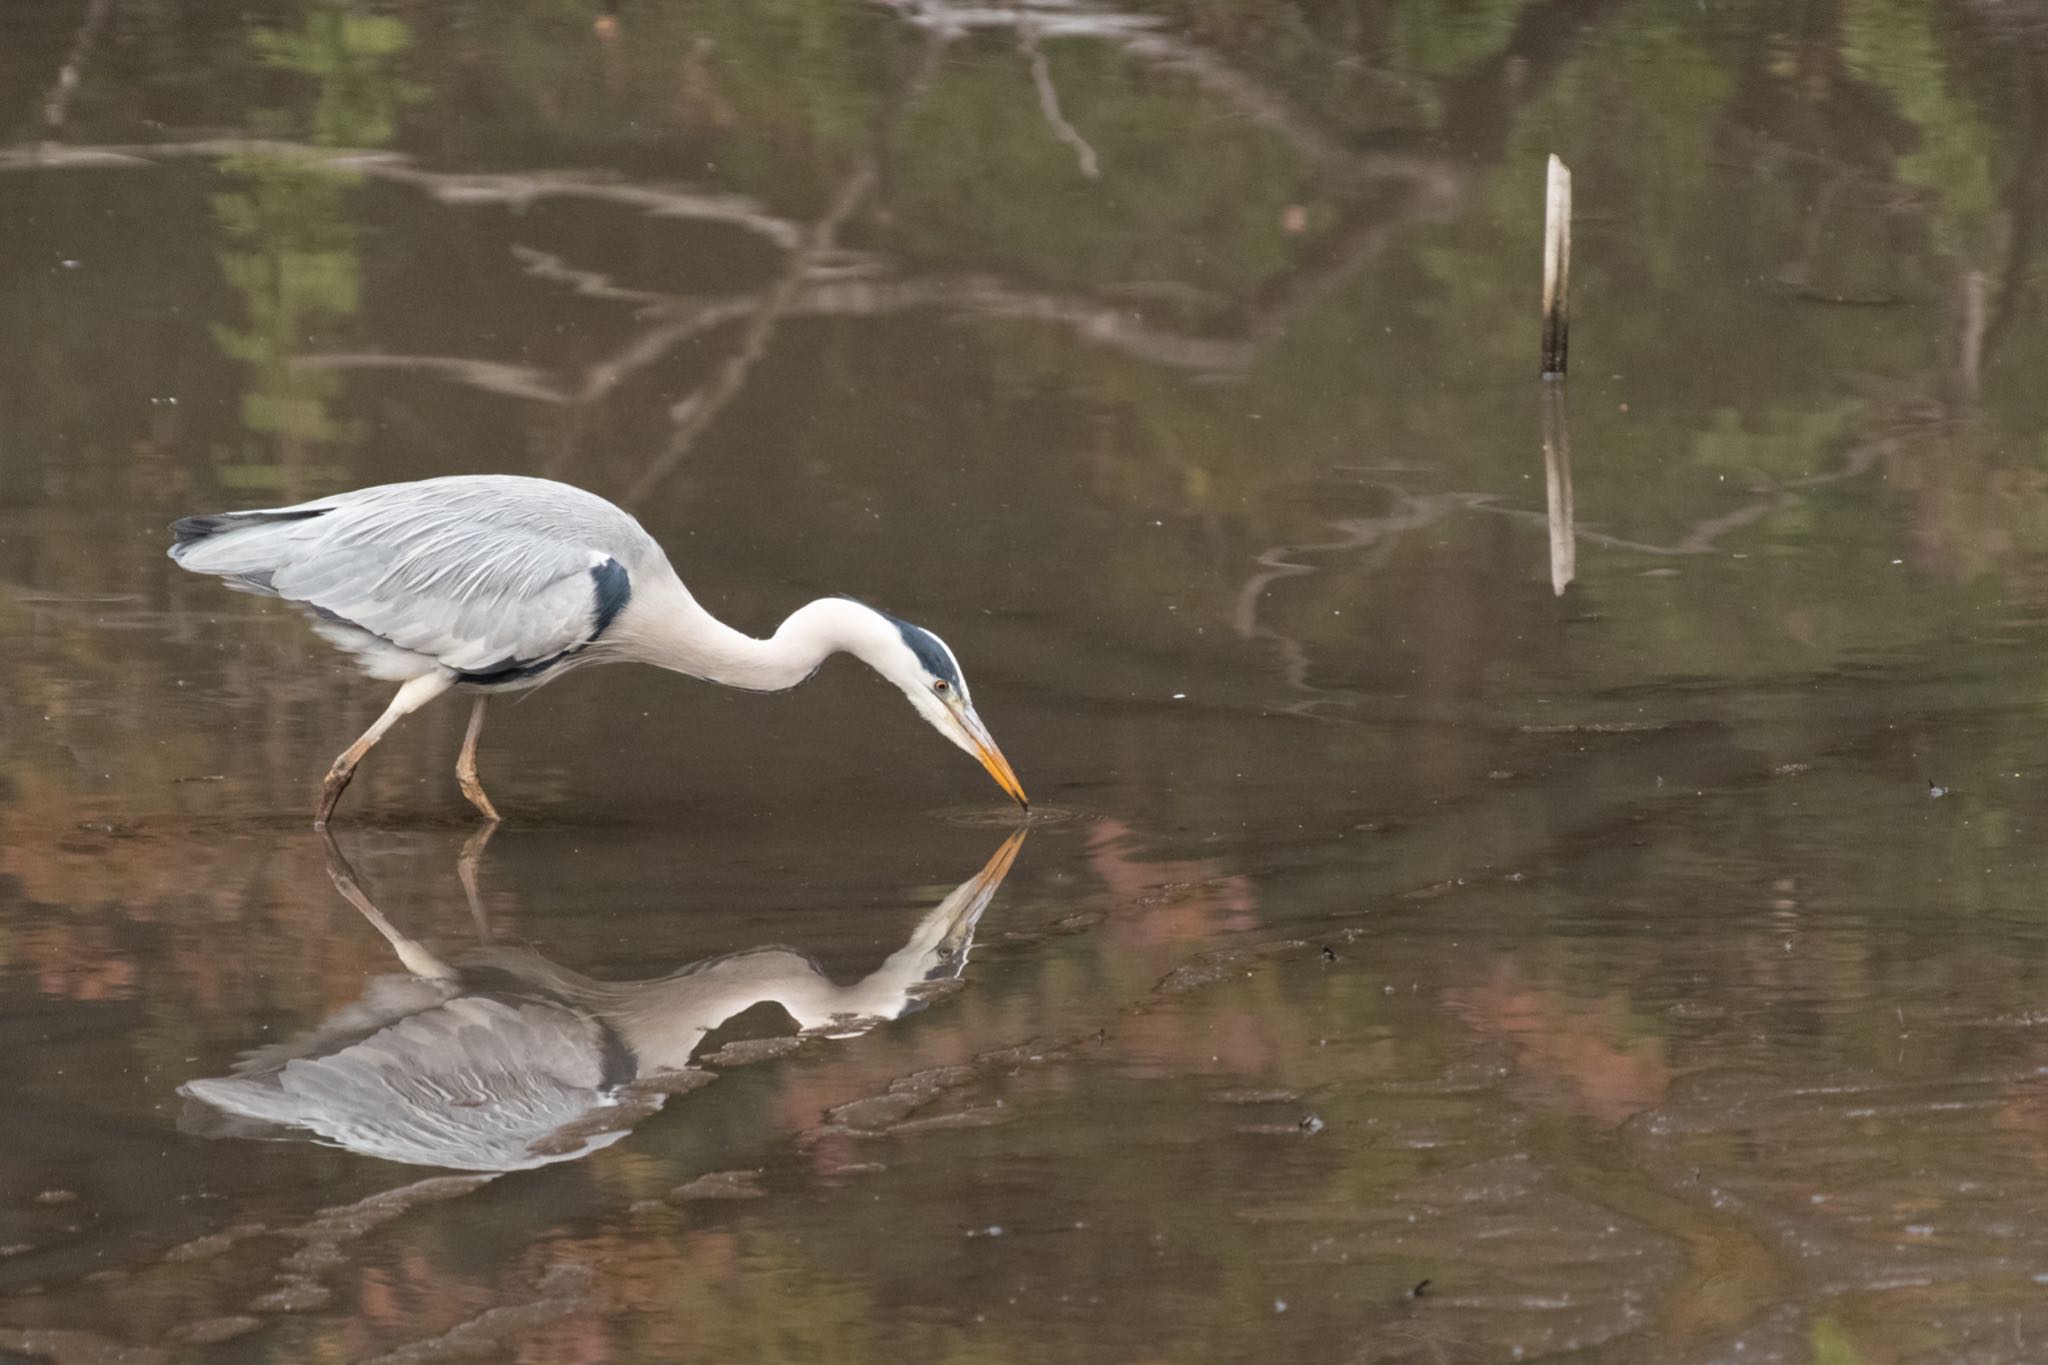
501 1060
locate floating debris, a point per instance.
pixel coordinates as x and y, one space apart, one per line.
932 1080
1257 1097
875 1112
980 1116
719 1185
680 1082
293 1296
750 1050
579 1134
213 1331
564 1291
1224 965
78 1348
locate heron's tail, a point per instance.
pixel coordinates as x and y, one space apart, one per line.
240 547
191 530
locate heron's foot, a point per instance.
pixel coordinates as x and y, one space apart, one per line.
465 764
330 791
474 790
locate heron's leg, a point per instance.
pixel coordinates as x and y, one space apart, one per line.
465 868
416 693
465 766
417 959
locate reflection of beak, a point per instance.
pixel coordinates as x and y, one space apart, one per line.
990 877
938 950
984 748
959 911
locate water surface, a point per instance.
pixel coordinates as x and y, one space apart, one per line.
1417 961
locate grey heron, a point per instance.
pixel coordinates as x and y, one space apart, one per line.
501 1060
498 583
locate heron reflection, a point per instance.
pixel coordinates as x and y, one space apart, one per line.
501 1060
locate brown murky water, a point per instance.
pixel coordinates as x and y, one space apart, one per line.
1411 962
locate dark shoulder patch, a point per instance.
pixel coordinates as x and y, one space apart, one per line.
611 589
614 590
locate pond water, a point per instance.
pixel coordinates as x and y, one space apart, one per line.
1447 931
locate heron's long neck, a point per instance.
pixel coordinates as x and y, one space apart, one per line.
673 631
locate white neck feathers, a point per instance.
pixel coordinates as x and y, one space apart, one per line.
681 635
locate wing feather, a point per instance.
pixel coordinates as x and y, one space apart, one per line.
479 574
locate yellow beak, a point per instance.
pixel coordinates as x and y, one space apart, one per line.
984 748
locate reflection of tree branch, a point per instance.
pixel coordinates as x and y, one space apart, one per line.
1437 185
1053 20
1702 537
682 320
589 284
57 103
695 414
657 201
518 189
800 291
1143 37
1412 512
1117 327
1260 104
514 381
1049 102
2019 201
816 282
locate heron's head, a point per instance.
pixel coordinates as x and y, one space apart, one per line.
920 663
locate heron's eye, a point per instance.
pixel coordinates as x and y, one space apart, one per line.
941 686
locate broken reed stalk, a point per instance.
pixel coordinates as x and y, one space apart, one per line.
1557 267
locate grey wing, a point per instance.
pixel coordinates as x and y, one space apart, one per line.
477 1084
491 578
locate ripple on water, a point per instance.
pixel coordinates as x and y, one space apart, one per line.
1009 817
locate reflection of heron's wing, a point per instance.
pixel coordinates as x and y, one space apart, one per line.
385 1001
471 1085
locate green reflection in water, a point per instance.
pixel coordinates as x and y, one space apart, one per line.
291 246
